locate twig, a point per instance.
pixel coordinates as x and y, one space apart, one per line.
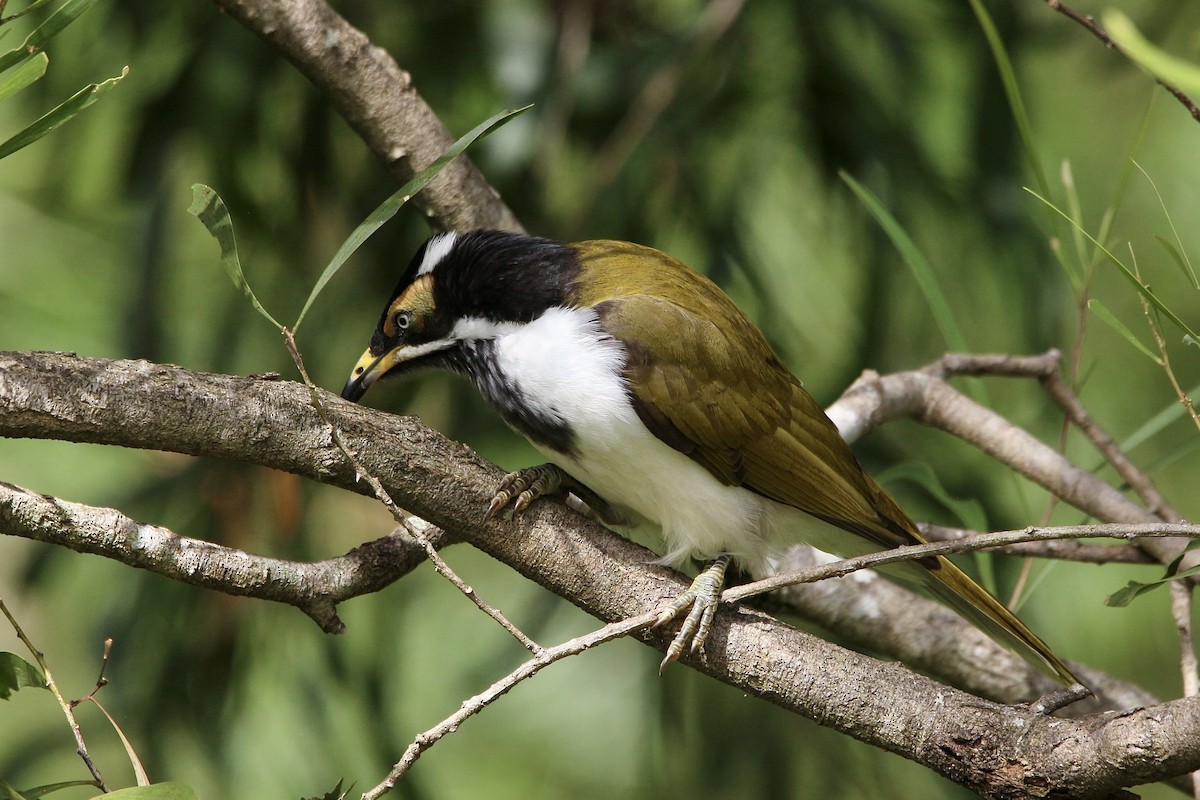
397 513
838 569
528 669
1061 549
1181 610
1045 368
67 707
1089 23
101 681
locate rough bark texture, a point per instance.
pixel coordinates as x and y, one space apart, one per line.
997 750
379 101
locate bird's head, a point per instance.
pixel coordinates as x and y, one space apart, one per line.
461 288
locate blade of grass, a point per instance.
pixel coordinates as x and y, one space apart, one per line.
920 267
1012 91
57 116
1142 288
388 208
1180 254
1111 320
208 207
29 71
67 13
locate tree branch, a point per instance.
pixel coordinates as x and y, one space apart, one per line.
377 98
314 588
1089 24
990 748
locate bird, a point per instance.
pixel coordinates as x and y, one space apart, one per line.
654 398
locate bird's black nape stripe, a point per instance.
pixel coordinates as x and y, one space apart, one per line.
504 277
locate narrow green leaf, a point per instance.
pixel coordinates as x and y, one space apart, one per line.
1170 69
208 207
57 116
969 511
1142 288
1157 424
169 790
67 13
9 793
42 791
34 6
29 71
920 267
1135 589
1111 320
388 208
16 672
139 771
1012 91
1179 255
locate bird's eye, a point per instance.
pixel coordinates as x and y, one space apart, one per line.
402 320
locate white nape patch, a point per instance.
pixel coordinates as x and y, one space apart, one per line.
476 328
436 251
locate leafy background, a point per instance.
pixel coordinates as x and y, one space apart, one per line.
736 170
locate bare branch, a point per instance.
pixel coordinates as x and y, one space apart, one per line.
377 98
1089 23
137 404
1063 550
838 569
314 588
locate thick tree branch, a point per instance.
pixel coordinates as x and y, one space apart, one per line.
377 98
991 748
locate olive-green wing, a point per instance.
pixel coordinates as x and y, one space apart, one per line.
712 388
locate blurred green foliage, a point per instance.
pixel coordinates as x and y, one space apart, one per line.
714 131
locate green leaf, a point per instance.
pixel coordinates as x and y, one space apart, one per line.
1162 65
388 208
16 672
155 791
969 511
208 207
1141 287
1111 320
921 269
9 793
41 791
67 13
29 71
1012 91
1134 589
52 119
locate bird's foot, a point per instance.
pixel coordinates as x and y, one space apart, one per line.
704 595
520 488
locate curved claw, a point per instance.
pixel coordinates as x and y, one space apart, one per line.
522 487
704 595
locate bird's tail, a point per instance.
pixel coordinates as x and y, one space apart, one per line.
953 587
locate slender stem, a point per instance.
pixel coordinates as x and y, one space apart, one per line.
67 707
417 528
528 669
987 540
